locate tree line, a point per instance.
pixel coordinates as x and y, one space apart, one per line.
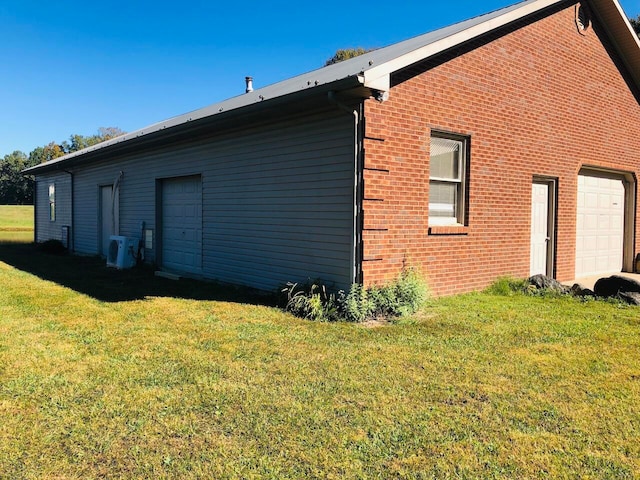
16 188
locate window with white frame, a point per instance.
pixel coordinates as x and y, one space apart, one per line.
52 202
447 167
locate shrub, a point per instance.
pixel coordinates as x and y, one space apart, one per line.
507 286
404 296
54 247
309 301
356 305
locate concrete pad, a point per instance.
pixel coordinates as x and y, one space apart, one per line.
589 282
169 275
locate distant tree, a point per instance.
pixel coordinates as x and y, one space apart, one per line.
346 54
107 133
15 188
47 153
76 142
37 156
635 23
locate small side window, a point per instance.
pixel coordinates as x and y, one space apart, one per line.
447 167
52 202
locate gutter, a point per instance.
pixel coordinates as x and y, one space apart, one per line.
358 187
35 210
357 204
207 117
72 244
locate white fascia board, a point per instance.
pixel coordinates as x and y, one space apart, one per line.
634 37
373 74
621 33
382 83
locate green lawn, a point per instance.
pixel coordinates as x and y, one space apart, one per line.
16 223
16 217
131 376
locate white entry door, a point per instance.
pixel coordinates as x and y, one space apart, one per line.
109 217
540 234
600 225
182 224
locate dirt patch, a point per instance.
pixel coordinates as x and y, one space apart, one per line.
376 323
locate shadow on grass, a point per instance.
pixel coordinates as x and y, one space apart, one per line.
91 276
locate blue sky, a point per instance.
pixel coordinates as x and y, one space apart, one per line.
73 66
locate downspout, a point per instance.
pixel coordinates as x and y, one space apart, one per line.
356 251
114 194
35 209
72 243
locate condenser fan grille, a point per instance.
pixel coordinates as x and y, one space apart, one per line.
122 251
113 251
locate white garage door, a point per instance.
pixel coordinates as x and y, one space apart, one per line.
182 224
600 225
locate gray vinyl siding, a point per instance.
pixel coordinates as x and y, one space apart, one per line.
45 228
277 200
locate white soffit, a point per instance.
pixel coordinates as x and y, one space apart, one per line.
621 33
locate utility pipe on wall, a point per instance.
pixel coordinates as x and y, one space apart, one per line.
114 193
356 187
71 245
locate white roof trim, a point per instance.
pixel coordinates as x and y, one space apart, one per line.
456 39
621 33
626 20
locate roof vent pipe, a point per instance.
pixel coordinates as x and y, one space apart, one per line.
249 81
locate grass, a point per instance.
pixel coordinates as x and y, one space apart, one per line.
161 379
18 217
16 223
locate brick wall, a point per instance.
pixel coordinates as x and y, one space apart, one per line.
541 99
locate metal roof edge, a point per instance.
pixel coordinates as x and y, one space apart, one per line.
263 96
373 74
360 68
373 69
609 12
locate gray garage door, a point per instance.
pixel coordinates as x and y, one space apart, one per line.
182 224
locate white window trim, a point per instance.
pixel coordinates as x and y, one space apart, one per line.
448 221
461 206
52 202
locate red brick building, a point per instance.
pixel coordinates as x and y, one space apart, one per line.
508 144
546 101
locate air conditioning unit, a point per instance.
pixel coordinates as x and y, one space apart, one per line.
122 251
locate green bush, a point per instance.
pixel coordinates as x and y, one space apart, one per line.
404 296
355 306
507 286
302 303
